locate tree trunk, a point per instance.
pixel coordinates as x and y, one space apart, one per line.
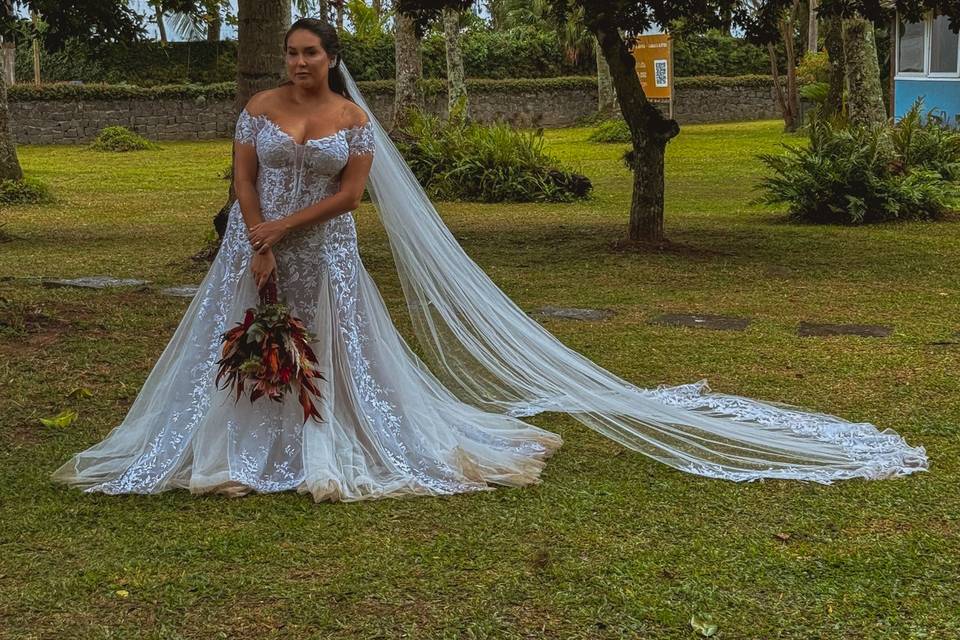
340 12
833 41
323 9
9 164
214 22
458 106
260 28
378 8
788 97
161 27
606 96
409 94
813 33
865 99
8 60
649 130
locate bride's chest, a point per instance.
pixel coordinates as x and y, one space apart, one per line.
327 155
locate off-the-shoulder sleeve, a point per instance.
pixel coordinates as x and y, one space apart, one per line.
360 139
247 128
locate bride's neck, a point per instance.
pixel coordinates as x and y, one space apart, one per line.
311 96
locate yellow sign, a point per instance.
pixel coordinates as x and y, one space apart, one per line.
654 64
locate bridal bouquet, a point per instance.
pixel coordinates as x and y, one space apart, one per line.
270 351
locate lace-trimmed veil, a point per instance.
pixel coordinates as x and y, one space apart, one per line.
491 354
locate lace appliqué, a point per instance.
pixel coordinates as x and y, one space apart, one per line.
360 139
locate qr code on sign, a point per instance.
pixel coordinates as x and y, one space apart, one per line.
660 73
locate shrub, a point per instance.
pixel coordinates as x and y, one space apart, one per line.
611 131
120 139
485 163
718 54
25 191
857 175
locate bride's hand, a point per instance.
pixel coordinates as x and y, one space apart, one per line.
267 234
263 264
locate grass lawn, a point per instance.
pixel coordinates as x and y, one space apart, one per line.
610 544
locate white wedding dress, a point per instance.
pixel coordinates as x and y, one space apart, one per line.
389 426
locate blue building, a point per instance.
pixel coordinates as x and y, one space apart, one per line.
927 56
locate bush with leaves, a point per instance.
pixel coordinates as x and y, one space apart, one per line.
611 131
25 191
120 139
462 160
856 175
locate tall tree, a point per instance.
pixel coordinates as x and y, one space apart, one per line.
9 163
786 89
409 68
457 99
813 31
837 72
865 98
606 96
261 25
92 21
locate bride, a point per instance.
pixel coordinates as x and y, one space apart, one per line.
392 424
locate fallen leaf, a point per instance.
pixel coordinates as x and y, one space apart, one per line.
80 392
63 419
123 593
782 536
704 625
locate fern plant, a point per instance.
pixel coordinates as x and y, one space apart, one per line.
857 175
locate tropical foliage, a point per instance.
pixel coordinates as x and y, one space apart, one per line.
457 160
860 174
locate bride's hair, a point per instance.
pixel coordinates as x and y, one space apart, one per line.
331 44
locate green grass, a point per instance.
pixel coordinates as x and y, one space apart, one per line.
611 544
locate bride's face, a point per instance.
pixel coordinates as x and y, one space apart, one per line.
307 61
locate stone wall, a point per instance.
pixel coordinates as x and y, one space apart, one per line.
77 120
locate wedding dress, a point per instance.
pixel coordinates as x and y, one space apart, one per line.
394 425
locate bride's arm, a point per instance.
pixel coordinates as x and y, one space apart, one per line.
353 179
245 184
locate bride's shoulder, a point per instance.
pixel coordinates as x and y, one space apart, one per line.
260 102
352 115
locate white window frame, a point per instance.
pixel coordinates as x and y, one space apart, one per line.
927 53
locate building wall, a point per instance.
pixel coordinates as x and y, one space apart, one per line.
944 95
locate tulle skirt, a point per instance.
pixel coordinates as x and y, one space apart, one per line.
388 428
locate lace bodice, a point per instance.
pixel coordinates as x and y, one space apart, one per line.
293 175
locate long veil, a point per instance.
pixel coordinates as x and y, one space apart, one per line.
492 355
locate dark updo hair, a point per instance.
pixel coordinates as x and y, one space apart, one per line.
330 40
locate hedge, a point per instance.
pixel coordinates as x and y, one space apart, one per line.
520 52
431 86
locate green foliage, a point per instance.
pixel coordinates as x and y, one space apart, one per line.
431 86
71 91
120 139
919 141
611 131
145 63
813 67
486 163
25 191
856 175
519 52
716 82
715 53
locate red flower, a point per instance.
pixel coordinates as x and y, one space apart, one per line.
271 351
